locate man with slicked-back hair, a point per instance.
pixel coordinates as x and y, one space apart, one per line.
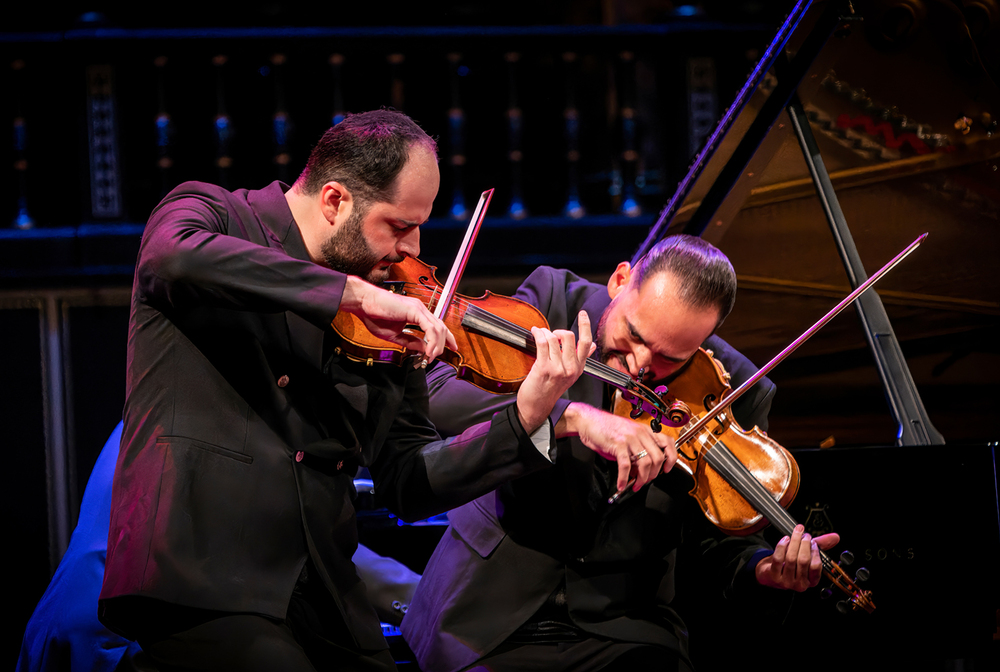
544 573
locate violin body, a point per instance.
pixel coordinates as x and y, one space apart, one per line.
692 393
487 363
742 480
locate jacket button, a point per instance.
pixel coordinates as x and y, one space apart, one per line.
283 381
299 455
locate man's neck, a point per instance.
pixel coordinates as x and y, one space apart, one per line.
308 218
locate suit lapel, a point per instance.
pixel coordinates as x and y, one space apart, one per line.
306 340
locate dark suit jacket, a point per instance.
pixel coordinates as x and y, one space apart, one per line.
243 430
505 553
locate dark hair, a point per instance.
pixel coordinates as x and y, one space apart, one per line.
365 153
705 274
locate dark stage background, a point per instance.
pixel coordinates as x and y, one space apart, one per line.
583 115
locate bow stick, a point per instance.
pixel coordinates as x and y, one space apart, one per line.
458 267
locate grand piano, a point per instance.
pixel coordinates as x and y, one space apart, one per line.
863 126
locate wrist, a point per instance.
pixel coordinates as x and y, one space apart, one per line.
355 291
758 567
569 423
529 418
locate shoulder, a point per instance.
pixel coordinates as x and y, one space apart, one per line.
753 407
558 293
194 197
199 190
208 206
555 278
736 363
542 281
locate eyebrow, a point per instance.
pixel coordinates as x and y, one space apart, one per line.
635 333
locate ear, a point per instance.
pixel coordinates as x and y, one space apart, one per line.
619 280
335 202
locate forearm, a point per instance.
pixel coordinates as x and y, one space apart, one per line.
443 474
731 561
456 404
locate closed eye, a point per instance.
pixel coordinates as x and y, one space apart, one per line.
634 334
400 226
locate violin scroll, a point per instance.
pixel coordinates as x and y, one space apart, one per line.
857 599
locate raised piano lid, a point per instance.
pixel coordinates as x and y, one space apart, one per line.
908 171
884 108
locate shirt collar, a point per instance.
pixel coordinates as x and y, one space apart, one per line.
271 207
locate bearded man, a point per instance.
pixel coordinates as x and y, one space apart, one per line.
544 573
232 524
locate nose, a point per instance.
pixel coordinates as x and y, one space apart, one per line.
641 358
408 245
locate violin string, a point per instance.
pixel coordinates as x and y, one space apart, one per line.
612 375
742 479
499 328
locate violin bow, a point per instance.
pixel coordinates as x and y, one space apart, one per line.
728 400
458 267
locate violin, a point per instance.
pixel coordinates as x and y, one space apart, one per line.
742 489
700 387
742 479
493 332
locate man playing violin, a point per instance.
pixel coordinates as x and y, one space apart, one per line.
232 525
544 573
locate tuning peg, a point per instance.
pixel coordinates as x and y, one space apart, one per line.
843 607
862 574
660 390
825 594
847 557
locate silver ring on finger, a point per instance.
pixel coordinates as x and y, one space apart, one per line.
639 456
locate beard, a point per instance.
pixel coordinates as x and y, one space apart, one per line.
348 250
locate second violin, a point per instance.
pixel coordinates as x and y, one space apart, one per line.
743 480
722 455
